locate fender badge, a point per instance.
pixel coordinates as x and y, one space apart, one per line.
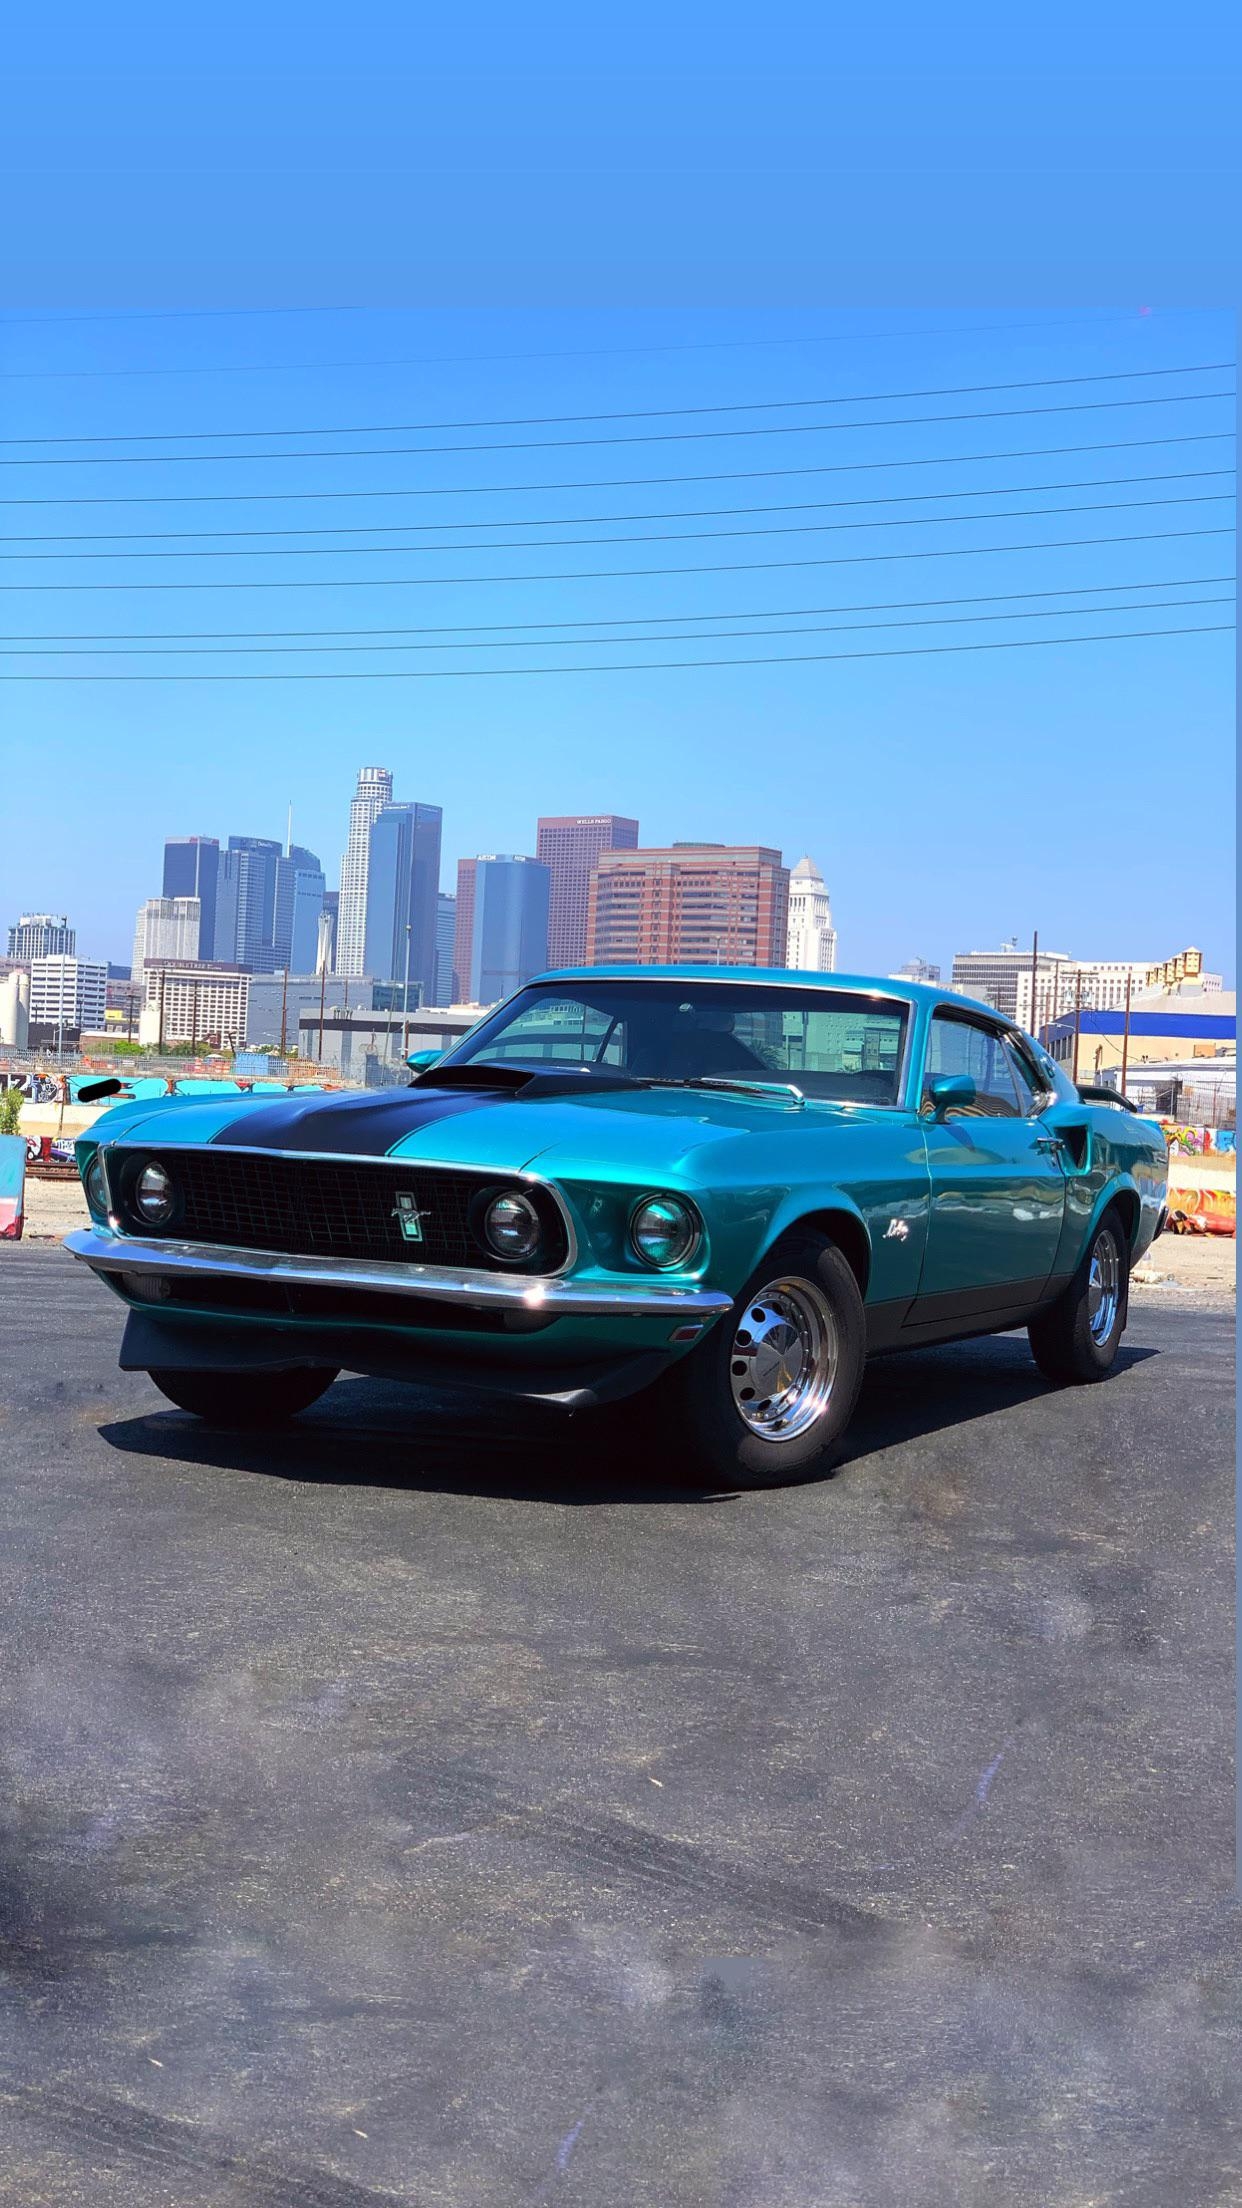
409 1218
897 1230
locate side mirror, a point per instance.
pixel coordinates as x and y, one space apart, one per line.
419 1060
951 1092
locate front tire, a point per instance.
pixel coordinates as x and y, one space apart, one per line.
244 1398
767 1397
1078 1338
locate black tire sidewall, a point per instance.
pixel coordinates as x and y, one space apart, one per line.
711 1429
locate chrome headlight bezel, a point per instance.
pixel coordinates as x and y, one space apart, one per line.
95 1186
522 1209
684 1231
158 1213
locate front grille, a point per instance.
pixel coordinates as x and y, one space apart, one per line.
330 1207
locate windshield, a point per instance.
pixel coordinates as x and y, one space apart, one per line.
836 1044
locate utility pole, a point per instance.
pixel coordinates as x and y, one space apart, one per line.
284 1004
193 1018
323 984
1125 1032
1034 984
405 999
1077 1017
160 1044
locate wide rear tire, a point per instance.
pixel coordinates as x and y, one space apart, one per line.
766 1398
1077 1339
244 1398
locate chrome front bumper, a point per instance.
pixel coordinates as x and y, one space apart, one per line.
480 1291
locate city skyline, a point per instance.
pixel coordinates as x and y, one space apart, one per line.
941 550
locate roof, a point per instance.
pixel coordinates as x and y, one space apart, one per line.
781 977
806 870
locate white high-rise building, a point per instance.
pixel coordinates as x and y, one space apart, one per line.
812 937
167 927
374 791
68 993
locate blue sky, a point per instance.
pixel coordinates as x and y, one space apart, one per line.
547 214
951 799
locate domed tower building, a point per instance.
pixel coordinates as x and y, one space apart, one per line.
812 937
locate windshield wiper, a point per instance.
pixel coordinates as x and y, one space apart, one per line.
747 1087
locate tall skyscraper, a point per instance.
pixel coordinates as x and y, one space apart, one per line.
300 891
403 882
41 935
707 904
812 944
374 791
246 904
446 930
463 931
569 845
192 869
509 938
167 927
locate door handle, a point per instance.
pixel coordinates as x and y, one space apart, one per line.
1049 1144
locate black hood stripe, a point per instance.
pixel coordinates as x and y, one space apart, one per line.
358 1126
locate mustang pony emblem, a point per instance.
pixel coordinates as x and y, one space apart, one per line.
409 1218
897 1230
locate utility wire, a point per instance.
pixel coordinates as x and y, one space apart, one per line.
651 536
587 352
629 414
565 521
603 574
536 644
625 621
618 482
569 444
640 666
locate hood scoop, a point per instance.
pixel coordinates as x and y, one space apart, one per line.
525 1081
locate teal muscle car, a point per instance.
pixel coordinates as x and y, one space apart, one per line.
716 1190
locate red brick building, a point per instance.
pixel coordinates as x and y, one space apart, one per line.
707 904
569 846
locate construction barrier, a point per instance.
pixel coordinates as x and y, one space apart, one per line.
12 1186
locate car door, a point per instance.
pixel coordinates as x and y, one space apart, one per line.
997 1180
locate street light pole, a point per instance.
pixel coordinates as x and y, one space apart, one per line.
1125 1032
1035 984
1077 1017
405 997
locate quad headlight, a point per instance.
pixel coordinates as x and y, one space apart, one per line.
511 1226
665 1231
153 1195
95 1183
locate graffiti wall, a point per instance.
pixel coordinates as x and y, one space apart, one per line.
1198 1142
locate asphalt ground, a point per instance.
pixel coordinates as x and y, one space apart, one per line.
422 1806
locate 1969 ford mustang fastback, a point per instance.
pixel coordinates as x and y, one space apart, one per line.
716 1190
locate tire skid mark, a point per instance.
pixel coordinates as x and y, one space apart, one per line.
616 1849
99 2122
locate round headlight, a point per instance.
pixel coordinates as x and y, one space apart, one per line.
664 1231
511 1226
96 1186
153 1196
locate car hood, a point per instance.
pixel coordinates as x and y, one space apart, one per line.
643 1130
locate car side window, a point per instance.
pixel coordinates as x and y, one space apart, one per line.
961 1046
1031 1090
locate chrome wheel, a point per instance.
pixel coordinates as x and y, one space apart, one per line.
1103 1286
783 1362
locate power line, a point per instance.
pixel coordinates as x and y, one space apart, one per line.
629 414
620 482
587 352
652 536
448 674
686 513
535 644
627 621
603 574
569 444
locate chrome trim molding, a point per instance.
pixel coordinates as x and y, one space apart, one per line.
484 1291
499 1174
